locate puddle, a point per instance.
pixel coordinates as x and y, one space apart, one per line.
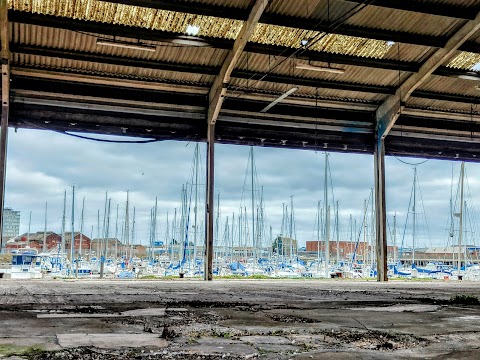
128 313
110 341
400 308
465 318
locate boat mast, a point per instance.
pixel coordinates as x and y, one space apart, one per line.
127 229
28 234
154 228
365 248
452 225
63 222
395 238
327 216
372 237
291 227
327 244
116 235
414 215
253 214
318 234
233 237
102 242
217 228
81 229
460 230
98 235
105 234
349 247
133 233
338 236
172 247
72 240
226 235
261 226
90 247
196 205
45 231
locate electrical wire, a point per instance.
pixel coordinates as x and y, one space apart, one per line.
66 132
146 141
408 163
349 14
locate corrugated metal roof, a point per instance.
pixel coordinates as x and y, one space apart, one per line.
112 70
370 16
399 20
451 85
464 60
71 40
239 86
263 64
441 105
112 13
332 43
170 21
408 52
240 4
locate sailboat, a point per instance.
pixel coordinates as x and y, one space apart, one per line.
417 267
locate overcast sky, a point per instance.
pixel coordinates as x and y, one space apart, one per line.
41 165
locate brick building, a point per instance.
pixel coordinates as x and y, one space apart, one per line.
77 237
346 248
34 240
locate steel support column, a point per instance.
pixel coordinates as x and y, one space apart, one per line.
380 211
5 54
209 213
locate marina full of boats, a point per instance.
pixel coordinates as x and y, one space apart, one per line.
244 246
27 263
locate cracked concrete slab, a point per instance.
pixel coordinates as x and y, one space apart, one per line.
111 341
237 319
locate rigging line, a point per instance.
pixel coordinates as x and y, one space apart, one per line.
472 212
406 222
425 215
349 14
331 181
360 231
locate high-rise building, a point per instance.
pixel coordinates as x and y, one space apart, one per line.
11 222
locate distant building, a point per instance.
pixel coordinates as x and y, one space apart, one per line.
11 223
346 249
77 238
448 255
110 245
284 246
34 240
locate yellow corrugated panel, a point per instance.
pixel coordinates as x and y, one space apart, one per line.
465 60
333 43
170 21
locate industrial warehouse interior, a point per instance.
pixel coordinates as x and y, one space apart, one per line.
239 179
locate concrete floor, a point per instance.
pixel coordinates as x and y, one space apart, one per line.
238 319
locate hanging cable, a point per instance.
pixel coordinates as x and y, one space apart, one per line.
411 164
146 141
66 132
342 19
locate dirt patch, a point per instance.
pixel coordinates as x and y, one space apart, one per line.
86 353
291 319
374 340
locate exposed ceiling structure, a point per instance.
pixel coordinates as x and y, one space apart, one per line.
300 74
